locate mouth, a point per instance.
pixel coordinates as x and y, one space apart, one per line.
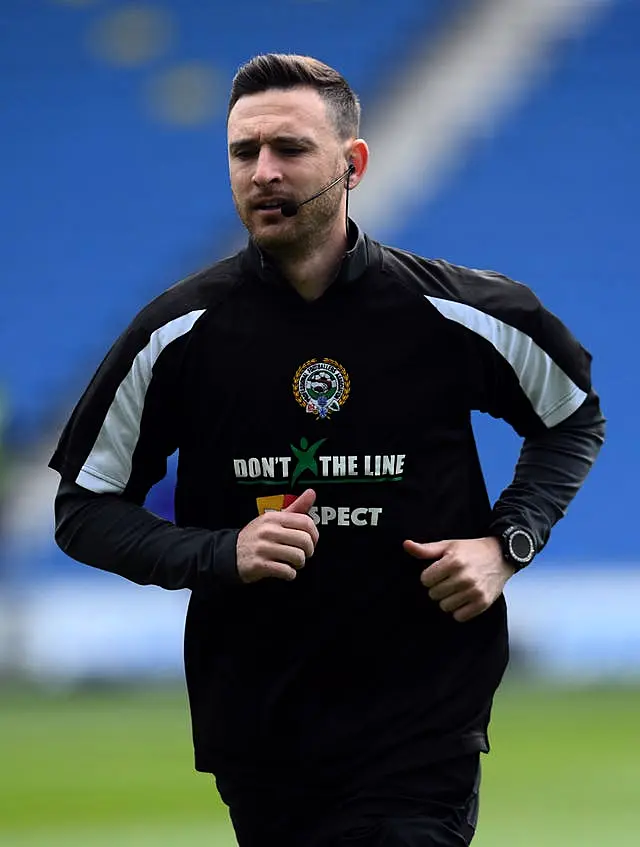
269 205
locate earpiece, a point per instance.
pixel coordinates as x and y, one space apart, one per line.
350 171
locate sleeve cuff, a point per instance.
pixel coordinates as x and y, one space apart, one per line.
224 564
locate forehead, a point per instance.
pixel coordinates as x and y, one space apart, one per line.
277 111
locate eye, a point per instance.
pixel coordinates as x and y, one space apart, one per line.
291 151
244 154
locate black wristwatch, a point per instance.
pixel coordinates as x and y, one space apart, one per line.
518 546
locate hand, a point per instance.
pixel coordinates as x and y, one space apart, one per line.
466 577
276 544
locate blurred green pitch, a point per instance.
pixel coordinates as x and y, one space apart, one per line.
115 768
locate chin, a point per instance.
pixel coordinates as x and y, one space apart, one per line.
273 237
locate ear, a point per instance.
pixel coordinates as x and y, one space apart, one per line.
359 159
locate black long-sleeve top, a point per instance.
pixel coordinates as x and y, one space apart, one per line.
365 395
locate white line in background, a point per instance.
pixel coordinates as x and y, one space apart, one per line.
451 93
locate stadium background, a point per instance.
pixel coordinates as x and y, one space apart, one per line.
505 134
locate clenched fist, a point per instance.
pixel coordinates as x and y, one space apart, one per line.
277 544
466 576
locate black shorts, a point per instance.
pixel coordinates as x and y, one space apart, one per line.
436 806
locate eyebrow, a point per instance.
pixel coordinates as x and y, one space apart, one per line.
297 140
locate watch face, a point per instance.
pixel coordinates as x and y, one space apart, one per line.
521 546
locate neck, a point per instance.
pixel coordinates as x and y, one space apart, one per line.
311 271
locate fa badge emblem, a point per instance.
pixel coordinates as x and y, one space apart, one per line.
321 386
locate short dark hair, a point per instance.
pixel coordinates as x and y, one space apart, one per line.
287 70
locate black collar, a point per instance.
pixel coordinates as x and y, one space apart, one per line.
361 255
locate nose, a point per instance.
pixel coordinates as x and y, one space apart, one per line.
267 169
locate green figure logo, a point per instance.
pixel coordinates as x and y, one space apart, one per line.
306 456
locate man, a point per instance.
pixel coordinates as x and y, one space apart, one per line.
346 630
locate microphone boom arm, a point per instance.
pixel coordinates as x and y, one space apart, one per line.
289 209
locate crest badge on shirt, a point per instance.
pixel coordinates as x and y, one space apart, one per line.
321 386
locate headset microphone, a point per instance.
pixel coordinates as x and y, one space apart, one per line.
289 208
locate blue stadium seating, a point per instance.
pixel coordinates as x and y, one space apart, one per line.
81 253
552 199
